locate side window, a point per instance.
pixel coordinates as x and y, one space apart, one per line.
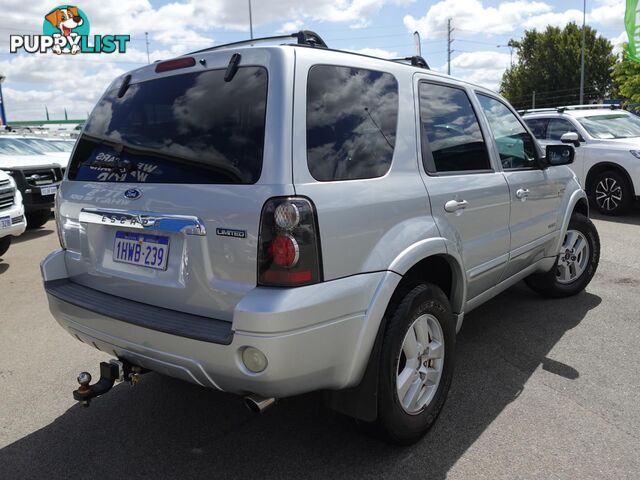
451 137
352 116
538 126
558 127
515 145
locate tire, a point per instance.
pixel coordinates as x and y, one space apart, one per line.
611 193
5 242
423 305
565 280
38 218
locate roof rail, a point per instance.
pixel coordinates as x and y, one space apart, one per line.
303 37
416 61
564 108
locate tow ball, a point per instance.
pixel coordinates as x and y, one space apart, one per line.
110 373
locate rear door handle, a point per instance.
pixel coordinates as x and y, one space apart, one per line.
455 205
522 193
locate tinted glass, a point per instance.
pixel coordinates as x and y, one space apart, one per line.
558 127
515 145
188 128
538 126
352 115
451 136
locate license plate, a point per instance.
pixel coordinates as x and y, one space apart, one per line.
48 190
150 251
5 222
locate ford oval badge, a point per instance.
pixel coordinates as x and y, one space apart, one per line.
133 194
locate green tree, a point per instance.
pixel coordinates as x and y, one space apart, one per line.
626 82
549 64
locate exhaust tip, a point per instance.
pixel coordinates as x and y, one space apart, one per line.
258 404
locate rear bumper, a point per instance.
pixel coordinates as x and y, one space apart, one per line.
315 337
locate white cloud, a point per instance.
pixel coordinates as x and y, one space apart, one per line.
618 42
555 19
472 17
483 68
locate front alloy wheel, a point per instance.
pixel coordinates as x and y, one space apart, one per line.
573 258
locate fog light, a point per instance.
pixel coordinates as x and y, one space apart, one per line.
254 359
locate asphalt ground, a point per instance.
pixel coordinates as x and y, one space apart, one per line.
543 389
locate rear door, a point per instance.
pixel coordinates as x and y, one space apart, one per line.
469 197
535 193
167 182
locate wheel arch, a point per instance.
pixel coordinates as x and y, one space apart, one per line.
439 267
601 167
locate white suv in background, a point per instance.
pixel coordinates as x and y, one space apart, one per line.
12 220
607 141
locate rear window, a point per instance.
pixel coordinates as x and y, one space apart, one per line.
352 115
189 128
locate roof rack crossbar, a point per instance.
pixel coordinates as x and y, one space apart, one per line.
416 61
303 37
564 108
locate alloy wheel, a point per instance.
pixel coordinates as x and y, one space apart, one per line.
420 364
573 258
608 194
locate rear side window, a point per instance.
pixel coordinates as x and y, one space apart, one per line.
558 127
188 128
451 136
352 116
538 126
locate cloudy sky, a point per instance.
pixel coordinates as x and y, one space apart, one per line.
380 27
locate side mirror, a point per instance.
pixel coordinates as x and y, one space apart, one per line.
572 138
559 154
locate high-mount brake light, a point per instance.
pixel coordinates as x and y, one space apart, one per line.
289 246
184 62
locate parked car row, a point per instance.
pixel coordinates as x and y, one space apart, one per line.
36 165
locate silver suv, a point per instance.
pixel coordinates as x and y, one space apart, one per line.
275 220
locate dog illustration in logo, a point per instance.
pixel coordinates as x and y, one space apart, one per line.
65 19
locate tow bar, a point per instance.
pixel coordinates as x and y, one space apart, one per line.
110 373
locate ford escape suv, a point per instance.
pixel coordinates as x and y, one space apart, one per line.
275 220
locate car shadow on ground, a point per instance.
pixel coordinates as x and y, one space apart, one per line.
32 234
630 218
164 428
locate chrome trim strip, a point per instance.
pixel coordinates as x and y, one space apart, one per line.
149 221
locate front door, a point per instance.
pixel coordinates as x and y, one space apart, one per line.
535 193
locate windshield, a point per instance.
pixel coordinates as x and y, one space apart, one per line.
14 146
63 145
614 125
188 128
40 144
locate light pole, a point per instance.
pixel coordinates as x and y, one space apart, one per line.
3 115
584 18
510 47
250 21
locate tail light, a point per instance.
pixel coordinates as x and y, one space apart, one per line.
289 246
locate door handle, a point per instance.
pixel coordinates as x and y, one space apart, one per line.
522 193
455 205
